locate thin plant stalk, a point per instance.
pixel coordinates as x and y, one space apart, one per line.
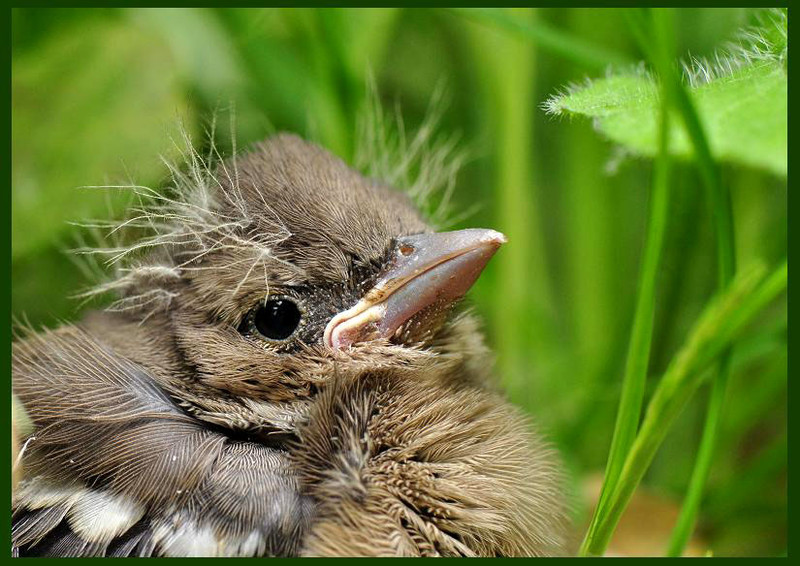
638 357
687 518
723 221
717 327
722 214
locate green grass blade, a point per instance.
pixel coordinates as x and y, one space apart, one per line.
717 327
705 455
659 53
638 357
722 214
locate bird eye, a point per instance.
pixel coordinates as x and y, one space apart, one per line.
277 319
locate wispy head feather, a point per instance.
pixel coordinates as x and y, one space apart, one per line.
422 162
201 209
168 232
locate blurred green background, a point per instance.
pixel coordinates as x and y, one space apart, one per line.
96 95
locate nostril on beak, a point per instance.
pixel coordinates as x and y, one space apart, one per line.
422 269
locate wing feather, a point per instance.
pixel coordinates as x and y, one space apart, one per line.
116 467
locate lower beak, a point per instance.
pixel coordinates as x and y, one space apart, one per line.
425 272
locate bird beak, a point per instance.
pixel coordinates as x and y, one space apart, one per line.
424 271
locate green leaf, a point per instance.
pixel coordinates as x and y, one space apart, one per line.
741 100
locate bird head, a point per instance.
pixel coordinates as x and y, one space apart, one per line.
263 279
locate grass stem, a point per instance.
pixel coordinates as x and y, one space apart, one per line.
722 214
721 322
638 356
659 28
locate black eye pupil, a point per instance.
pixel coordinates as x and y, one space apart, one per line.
277 319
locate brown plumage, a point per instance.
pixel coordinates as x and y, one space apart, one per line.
183 420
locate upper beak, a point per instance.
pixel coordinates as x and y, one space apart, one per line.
424 270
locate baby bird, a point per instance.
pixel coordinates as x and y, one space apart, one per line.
282 374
